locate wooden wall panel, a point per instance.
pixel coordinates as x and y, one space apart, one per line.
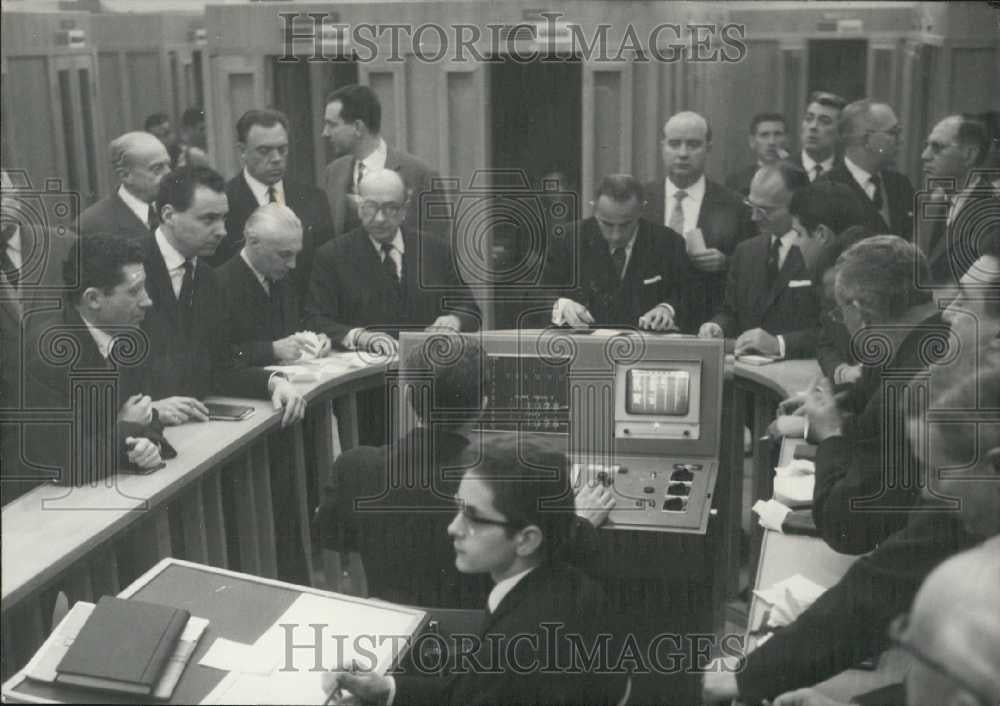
143 74
973 71
34 140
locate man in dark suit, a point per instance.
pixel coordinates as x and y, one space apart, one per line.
771 306
263 144
188 326
956 146
870 134
500 528
627 271
103 305
140 160
352 122
265 309
711 218
376 280
767 142
819 136
32 255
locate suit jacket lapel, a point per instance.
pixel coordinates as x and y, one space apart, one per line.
793 266
124 215
158 284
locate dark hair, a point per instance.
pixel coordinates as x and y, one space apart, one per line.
177 188
974 132
529 478
841 242
154 120
97 261
826 99
878 272
268 117
620 188
827 203
192 117
456 364
766 118
358 103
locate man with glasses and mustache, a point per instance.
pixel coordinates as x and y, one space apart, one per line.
383 277
871 136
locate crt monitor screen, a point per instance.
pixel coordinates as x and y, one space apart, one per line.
658 392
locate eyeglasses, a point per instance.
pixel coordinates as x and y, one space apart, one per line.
897 632
763 210
471 517
369 209
895 132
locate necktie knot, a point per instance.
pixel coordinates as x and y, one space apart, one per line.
676 222
186 297
618 258
680 195
388 264
876 183
774 259
817 171
272 194
153 218
361 175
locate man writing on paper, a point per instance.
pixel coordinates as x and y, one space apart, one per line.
372 282
628 272
771 306
265 309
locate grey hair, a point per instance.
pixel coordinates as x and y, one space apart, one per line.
271 218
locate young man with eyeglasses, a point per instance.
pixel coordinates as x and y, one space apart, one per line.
871 136
381 278
513 509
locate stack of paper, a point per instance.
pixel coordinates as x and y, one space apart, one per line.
789 598
794 483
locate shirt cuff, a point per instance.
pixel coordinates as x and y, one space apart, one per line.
350 341
670 307
781 346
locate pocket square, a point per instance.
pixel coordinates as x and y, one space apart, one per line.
800 283
653 280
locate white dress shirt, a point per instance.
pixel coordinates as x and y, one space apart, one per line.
173 260
787 240
256 273
863 177
139 207
809 165
504 587
101 338
259 189
690 205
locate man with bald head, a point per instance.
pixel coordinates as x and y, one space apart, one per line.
140 161
871 135
265 309
957 145
711 218
770 306
383 277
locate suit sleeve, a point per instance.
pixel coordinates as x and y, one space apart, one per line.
829 346
229 375
464 304
726 318
801 343
848 623
323 299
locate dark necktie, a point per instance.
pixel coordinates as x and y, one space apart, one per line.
361 175
388 265
271 194
153 218
877 194
817 171
618 260
11 273
773 261
186 297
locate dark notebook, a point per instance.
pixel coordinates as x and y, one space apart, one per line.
124 646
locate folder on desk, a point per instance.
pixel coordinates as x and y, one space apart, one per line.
124 646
